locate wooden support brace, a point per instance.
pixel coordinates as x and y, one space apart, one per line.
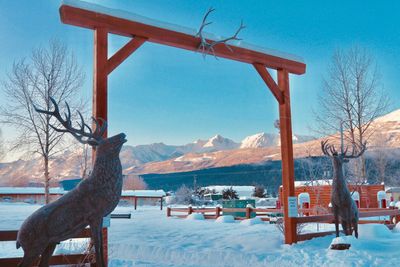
124 52
269 81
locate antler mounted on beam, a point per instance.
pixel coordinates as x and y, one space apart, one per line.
207 47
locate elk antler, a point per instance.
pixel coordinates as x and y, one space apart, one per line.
353 154
83 136
325 148
207 47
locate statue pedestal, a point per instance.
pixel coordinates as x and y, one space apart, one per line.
340 246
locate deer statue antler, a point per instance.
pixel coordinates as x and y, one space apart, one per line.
85 137
205 46
325 147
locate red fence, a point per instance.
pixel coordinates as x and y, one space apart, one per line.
70 259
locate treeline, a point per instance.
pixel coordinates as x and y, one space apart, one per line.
268 174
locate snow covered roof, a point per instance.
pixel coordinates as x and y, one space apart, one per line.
312 183
30 190
173 27
59 190
143 193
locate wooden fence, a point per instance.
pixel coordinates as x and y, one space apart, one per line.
310 217
68 259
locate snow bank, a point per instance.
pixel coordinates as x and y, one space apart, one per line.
153 240
195 217
225 219
252 221
396 229
374 231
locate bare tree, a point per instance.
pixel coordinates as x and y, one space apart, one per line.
84 160
2 153
49 72
134 182
381 156
352 97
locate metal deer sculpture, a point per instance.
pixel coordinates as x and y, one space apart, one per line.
344 208
87 204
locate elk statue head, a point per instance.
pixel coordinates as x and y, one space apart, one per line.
85 134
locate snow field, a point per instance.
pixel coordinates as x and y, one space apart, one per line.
152 239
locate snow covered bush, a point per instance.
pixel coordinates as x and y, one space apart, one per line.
259 191
229 193
184 195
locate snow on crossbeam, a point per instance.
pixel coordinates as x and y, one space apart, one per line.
120 22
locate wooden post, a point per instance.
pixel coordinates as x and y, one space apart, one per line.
135 200
248 212
168 212
100 75
161 199
105 245
99 109
217 211
285 124
190 210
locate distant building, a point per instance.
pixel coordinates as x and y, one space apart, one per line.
35 195
243 191
318 193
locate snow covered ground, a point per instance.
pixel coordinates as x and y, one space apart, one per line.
152 239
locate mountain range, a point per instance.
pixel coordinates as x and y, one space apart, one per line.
217 151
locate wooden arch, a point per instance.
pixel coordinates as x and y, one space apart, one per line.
104 21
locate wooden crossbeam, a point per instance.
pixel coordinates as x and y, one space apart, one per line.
124 53
269 81
124 27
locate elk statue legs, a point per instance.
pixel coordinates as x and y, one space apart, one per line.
45 258
97 237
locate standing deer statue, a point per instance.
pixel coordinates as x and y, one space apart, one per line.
344 208
87 204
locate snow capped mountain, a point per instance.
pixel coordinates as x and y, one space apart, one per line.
260 140
219 143
393 116
68 164
269 140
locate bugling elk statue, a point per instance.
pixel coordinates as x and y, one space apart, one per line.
344 207
87 204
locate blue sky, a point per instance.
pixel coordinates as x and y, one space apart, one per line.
175 96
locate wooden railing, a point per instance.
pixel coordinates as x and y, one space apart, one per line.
67 259
213 213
